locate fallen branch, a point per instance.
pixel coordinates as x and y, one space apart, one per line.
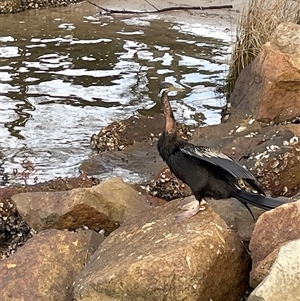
116 11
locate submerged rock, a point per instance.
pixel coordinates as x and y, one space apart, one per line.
153 258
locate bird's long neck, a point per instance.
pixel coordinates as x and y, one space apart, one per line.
170 127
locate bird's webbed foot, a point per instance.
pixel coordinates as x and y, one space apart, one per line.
191 207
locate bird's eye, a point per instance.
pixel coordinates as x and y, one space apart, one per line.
162 91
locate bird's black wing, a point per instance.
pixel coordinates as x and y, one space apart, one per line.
218 159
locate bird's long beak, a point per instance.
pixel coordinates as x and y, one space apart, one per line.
177 87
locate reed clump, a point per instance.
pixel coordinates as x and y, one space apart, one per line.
254 28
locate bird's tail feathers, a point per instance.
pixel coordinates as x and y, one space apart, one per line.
257 200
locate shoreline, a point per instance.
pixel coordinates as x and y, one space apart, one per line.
225 18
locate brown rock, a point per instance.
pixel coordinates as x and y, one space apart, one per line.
125 201
104 206
45 267
282 283
273 229
13 229
64 210
262 269
153 258
269 89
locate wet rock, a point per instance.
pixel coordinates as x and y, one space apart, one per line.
268 89
153 256
103 207
283 281
272 230
167 186
46 266
139 162
123 133
281 172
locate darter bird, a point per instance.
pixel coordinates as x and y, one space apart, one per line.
208 172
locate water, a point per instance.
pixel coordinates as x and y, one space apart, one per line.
66 73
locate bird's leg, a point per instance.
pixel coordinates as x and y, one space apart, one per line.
191 207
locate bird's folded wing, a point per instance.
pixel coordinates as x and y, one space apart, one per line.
218 159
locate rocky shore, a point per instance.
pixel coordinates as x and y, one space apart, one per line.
78 239
15 6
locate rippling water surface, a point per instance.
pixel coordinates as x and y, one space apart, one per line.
66 73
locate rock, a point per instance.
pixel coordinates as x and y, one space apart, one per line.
285 224
236 216
268 89
153 258
167 186
14 231
272 230
271 153
46 266
283 281
262 269
125 201
123 133
104 207
276 160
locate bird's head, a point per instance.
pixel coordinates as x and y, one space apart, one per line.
168 87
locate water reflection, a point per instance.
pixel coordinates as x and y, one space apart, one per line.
66 73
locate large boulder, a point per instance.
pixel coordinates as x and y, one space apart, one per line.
104 206
46 266
283 281
151 257
269 88
273 229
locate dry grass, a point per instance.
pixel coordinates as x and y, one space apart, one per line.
255 26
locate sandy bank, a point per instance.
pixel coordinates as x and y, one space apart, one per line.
219 18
